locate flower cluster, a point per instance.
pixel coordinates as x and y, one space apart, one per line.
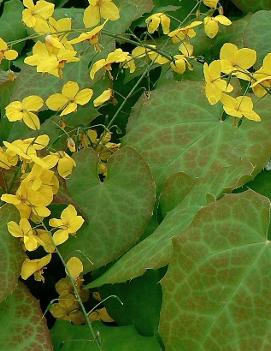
236 63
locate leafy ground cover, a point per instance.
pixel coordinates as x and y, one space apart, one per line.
135 175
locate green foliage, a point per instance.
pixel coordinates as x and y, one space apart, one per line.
109 218
252 6
68 337
22 324
159 196
220 270
11 253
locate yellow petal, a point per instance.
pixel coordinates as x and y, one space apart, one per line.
212 93
96 67
32 103
14 229
65 166
11 55
91 16
211 28
71 107
246 58
253 116
11 199
31 120
152 23
28 18
244 103
56 102
74 267
228 52
104 97
84 96
109 11
223 20
165 21
70 89
60 236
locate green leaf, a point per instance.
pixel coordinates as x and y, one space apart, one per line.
69 337
252 5
22 326
129 11
216 290
176 130
12 27
155 251
193 140
257 33
141 300
11 253
117 209
175 190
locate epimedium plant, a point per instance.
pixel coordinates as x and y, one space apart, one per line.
130 133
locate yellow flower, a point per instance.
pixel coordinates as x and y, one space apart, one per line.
91 37
35 267
50 61
69 98
8 158
74 267
155 20
181 63
23 110
234 60
99 9
64 162
262 78
32 239
211 3
104 97
116 56
6 53
215 86
68 224
27 149
23 230
35 16
239 107
27 202
184 33
211 24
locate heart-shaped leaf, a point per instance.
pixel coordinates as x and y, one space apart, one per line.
118 209
216 290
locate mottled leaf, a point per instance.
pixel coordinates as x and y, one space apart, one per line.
176 130
216 290
117 209
155 251
22 326
11 253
